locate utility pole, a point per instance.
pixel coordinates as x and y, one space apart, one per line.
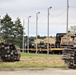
28 33
67 19
0 20
36 30
48 32
0 25
23 35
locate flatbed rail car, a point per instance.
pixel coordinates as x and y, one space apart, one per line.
40 50
56 47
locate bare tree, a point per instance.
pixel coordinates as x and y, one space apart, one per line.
73 29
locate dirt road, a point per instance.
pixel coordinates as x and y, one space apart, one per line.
38 72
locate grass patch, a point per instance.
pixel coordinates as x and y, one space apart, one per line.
39 55
36 61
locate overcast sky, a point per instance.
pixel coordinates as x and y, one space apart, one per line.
25 8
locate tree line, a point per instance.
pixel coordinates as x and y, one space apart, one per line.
11 31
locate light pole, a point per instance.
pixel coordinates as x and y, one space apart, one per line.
0 25
36 30
23 35
67 19
0 21
28 33
48 32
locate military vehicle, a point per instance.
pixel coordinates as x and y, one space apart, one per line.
9 53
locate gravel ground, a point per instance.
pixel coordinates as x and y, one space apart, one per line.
37 72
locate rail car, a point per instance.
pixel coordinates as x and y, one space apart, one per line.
53 48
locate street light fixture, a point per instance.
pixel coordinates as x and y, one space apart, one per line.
36 29
28 33
48 32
